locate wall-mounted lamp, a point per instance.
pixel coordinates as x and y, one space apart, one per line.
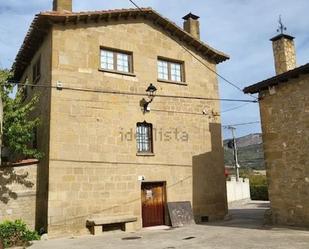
151 91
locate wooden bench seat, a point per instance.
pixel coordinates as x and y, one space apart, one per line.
96 224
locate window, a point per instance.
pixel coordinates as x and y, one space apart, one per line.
24 90
35 138
36 70
144 138
170 71
116 61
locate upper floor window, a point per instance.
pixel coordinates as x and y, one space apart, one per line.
119 61
170 70
36 70
144 137
24 89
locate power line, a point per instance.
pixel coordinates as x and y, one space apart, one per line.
135 5
178 112
129 93
235 108
199 60
233 125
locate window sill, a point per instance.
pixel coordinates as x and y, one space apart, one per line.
145 154
117 72
173 82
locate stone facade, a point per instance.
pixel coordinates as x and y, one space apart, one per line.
91 165
62 5
285 125
193 27
18 187
284 55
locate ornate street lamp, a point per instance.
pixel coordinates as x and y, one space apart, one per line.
151 91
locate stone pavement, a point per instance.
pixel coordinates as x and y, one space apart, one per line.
245 230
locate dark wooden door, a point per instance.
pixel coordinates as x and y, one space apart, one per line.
153 204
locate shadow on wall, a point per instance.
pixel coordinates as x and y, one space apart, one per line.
209 187
9 176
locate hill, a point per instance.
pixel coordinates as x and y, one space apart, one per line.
250 152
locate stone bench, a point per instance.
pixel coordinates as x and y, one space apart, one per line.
96 224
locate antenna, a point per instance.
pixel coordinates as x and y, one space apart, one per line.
281 28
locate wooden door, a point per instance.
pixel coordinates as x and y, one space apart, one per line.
153 204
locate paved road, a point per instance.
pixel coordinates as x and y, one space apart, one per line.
244 231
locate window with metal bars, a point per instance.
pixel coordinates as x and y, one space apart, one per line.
144 137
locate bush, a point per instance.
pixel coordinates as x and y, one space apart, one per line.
259 192
258 180
16 233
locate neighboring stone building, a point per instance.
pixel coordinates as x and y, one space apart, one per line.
284 108
104 156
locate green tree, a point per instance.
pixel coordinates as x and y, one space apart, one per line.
18 124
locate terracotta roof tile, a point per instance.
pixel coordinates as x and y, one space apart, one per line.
43 21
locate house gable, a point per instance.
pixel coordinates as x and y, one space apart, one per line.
42 23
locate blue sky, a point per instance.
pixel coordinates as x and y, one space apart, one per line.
240 28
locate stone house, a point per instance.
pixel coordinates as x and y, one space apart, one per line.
106 155
284 109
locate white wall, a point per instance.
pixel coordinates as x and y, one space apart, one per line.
237 191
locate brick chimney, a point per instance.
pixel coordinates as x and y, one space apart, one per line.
62 5
192 25
284 53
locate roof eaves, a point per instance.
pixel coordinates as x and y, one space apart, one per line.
43 21
278 79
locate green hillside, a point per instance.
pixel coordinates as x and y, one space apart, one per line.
250 152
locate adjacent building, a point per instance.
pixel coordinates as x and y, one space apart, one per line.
284 108
106 154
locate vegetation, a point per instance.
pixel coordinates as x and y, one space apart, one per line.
18 126
250 156
16 233
259 192
258 185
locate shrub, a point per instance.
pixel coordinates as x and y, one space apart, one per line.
258 180
16 233
259 192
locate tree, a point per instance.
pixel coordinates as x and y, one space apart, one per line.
18 124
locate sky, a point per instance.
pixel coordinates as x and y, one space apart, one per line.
240 28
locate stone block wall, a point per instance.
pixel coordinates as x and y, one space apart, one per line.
285 125
42 111
18 193
91 162
284 55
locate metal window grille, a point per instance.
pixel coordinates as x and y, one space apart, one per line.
144 137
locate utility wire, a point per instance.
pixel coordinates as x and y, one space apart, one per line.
235 108
233 125
199 60
129 93
135 5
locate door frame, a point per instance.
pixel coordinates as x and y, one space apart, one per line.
164 192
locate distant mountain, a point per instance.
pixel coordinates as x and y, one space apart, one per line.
250 152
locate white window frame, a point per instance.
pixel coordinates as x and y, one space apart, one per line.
168 73
115 62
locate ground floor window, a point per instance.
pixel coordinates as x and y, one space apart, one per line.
144 137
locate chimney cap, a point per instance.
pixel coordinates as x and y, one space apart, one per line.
278 37
190 15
